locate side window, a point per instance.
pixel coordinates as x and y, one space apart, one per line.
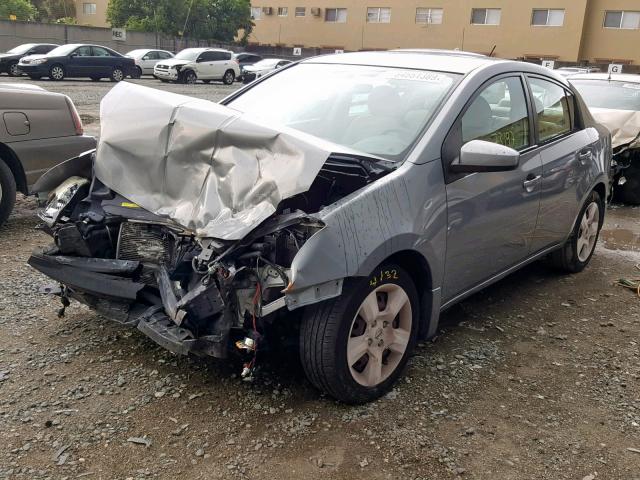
225 56
100 52
152 55
164 55
82 51
206 57
553 117
498 115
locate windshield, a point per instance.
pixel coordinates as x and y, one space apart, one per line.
62 50
606 94
21 48
188 54
376 110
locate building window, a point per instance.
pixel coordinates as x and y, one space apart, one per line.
89 8
622 19
379 15
283 11
429 15
256 13
335 15
486 16
301 11
547 18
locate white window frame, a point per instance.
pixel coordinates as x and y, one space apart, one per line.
256 13
548 10
428 13
337 11
93 8
486 15
378 15
300 11
283 11
623 12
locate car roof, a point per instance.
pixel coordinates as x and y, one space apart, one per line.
439 51
453 62
208 49
616 77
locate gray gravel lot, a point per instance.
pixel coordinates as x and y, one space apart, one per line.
536 377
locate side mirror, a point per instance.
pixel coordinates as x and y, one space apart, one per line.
73 55
481 156
200 60
145 58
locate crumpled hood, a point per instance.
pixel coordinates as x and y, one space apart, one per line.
205 166
624 125
172 62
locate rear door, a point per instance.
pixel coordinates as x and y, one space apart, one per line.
102 62
566 150
148 61
222 63
491 215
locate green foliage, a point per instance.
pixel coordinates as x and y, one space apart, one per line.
202 19
22 9
55 11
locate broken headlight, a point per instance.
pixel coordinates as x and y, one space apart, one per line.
60 199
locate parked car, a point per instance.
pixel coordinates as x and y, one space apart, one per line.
9 61
193 64
78 60
570 71
245 59
146 59
251 72
365 191
614 101
39 129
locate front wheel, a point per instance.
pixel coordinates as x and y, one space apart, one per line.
190 77
7 192
576 253
56 72
136 73
14 70
229 77
354 347
117 75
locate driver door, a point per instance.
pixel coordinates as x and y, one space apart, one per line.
491 215
79 61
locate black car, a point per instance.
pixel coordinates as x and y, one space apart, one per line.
245 59
9 61
78 60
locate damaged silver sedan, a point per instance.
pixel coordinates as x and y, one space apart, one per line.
367 192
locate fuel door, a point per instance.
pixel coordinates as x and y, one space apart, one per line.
17 123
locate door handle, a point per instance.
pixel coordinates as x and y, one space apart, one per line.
584 156
530 182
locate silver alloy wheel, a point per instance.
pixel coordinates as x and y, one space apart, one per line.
117 75
588 231
190 78
379 335
57 72
14 70
228 78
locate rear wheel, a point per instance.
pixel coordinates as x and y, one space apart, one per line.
629 192
56 72
14 70
7 192
117 75
576 253
229 77
354 347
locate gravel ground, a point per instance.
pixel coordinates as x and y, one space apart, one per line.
536 377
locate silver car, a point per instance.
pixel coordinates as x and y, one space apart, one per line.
349 198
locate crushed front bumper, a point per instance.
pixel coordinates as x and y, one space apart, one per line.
109 287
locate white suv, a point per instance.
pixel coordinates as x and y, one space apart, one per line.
193 64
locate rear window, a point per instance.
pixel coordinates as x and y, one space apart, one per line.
376 110
609 94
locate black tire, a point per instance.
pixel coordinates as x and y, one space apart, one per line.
189 77
630 191
326 328
96 79
13 70
229 77
136 72
566 258
7 192
117 75
57 72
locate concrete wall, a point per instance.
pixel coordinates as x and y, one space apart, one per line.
16 33
581 37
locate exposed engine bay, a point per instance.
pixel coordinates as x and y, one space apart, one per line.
189 294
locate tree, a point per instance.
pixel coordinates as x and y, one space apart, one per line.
55 11
22 9
202 19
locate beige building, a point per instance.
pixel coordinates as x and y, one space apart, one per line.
92 12
564 30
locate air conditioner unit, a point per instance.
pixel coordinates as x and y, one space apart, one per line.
316 11
267 10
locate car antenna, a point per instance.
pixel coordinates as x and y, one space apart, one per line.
492 50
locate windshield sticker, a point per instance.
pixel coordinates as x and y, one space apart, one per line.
418 76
